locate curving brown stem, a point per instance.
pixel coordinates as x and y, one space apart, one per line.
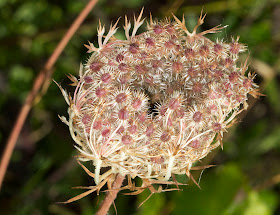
111 195
40 83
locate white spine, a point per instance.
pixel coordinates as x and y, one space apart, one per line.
97 171
169 168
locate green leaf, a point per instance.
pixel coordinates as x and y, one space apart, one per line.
153 205
20 79
255 203
218 190
271 141
262 203
272 92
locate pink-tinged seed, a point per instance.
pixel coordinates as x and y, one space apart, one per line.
106 78
179 113
192 72
156 64
124 79
213 107
157 160
123 67
97 125
174 104
228 93
119 58
197 116
86 119
216 126
149 79
163 110
144 55
239 98
123 114
106 132
214 65
165 137
142 117
158 29
197 87
100 92
227 86
247 83
233 77
132 129
177 67
121 97
204 51
189 53
195 144
88 130
170 29
141 69
95 66
150 42
234 48
228 62
218 49
150 130
203 65
127 139
169 44
88 79
134 48
218 74
137 103
111 63
213 95
169 90
178 48
169 122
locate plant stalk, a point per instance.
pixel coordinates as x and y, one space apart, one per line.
111 196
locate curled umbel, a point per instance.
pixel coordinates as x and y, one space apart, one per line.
152 105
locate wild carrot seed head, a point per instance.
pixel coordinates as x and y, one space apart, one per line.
153 103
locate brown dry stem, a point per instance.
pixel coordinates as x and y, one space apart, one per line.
40 85
111 195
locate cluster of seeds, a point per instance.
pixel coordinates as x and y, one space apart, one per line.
152 105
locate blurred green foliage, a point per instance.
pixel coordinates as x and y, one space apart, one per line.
43 170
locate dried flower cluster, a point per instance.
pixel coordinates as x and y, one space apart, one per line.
152 105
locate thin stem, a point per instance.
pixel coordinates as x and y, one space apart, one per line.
40 81
111 196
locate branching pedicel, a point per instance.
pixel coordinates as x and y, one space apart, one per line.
152 105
